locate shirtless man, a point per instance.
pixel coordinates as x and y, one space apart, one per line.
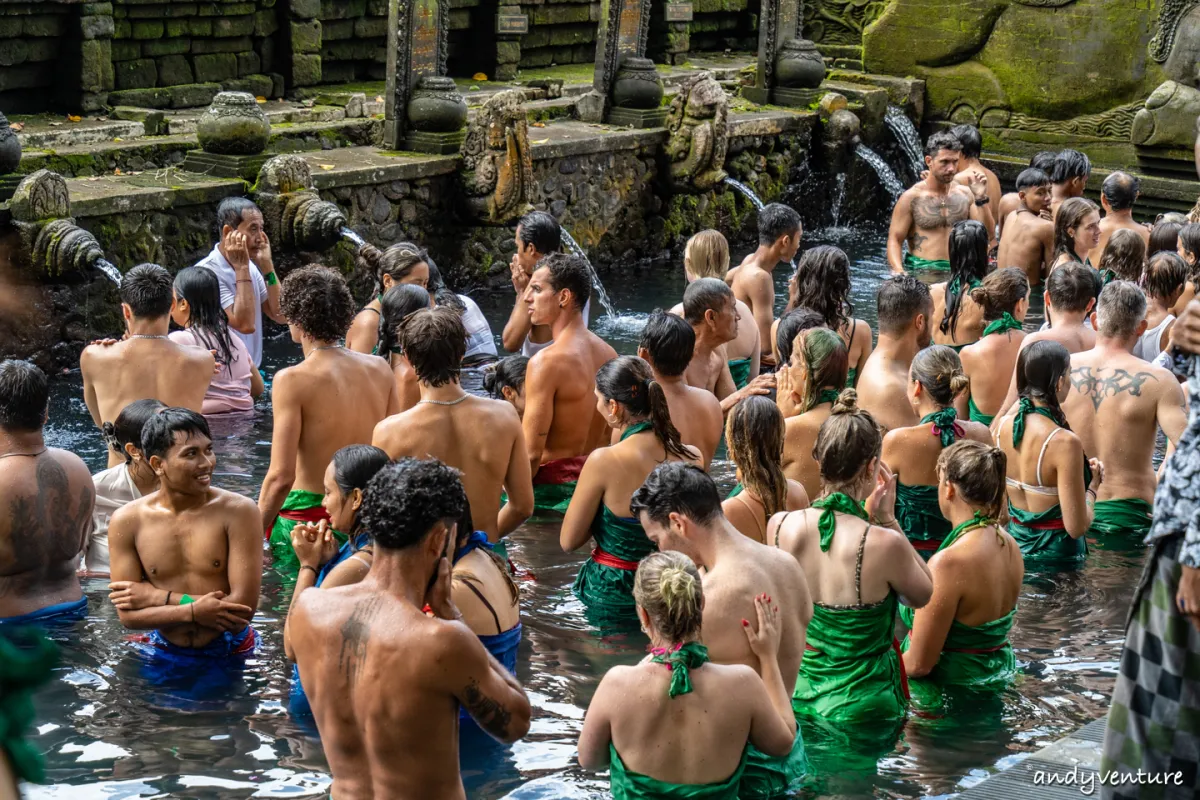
538 235
924 214
561 423
1012 200
667 345
1116 403
680 510
905 309
333 398
146 365
1028 241
1070 176
968 164
710 308
49 497
186 559
1118 193
352 641
479 437
752 282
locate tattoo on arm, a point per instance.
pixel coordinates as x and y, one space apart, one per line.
1100 388
356 633
490 714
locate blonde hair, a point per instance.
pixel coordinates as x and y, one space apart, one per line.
847 441
939 370
706 255
667 585
754 433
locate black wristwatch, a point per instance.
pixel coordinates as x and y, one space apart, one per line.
983 201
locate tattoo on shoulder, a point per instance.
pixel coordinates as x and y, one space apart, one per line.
1101 387
44 529
491 715
356 634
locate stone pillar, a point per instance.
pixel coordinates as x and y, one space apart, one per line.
423 110
511 24
626 89
96 28
305 39
790 68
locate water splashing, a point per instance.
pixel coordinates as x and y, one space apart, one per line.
906 134
110 271
886 176
352 237
601 295
745 190
839 196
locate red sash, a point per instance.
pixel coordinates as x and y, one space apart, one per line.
311 515
928 545
1049 525
609 560
560 470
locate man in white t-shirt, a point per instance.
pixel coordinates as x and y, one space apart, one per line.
242 263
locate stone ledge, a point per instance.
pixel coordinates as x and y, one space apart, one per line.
166 189
366 166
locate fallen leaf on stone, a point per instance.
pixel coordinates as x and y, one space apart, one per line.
260 100
18 126
73 118
101 119
308 103
540 141
116 138
474 88
378 98
117 171
537 124
325 166
479 76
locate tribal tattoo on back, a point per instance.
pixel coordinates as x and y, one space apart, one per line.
1100 388
356 634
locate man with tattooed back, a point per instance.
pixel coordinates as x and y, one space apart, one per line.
385 680
1116 402
48 495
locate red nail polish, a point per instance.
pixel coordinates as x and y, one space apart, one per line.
744 622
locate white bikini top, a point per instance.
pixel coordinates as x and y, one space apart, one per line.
1040 488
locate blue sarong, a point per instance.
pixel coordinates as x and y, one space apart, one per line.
191 678
58 614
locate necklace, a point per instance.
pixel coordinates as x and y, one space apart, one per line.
338 346
38 453
445 402
147 336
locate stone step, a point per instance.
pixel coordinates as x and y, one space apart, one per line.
54 135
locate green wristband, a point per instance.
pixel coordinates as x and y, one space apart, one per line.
272 278
184 599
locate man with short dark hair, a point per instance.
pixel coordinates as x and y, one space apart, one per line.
242 262
333 398
779 233
387 662
709 307
680 510
538 235
561 423
1069 176
905 308
1043 161
147 364
924 214
49 497
968 163
667 345
479 437
1118 193
1028 241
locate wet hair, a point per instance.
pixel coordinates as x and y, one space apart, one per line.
1031 179
466 527
540 230
318 301
353 468
1120 189
1121 306
942 140
1001 291
628 380
826 361
1040 367
1071 215
158 432
397 304
1189 237
232 211
1124 255
207 320
24 396
507 372
791 325
754 435
1044 160
823 284
939 370
669 341
570 273
706 255
668 586
1073 286
1166 274
443 295
970 139
705 294
776 220
407 498
1070 164
128 427
1173 216
978 471
146 289
397 262
1164 237
675 487
898 302
968 262
434 342
847 441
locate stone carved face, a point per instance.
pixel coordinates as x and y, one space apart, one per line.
704 99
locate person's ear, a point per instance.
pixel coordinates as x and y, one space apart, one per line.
355 498
1095 324
126 312
643 354
156 464
132 451
508 393
1141 328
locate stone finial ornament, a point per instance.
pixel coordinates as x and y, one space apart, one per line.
234 125
294 215
698 124
497 162
10 148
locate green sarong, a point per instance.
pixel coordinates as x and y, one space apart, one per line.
920 517
851 670
602 584
552 497
739 368
1043 538
299 506
913 263
27 660
851 377
626 785
554 485
1126 516
766 776
977 415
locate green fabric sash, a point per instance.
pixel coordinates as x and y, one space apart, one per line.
851 378
1126 517
768 776
1007 322
827 524
958 348
976 415
739 368
281 532
919 515
633 430
1107 277
851 670
1042 537
735 491
977 520
626 785
955 286
551 497
27 659
1024 408
912 262
825 396
945 425
611 588
681 661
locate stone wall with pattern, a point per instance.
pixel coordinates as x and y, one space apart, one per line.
33 38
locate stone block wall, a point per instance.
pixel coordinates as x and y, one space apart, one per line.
560 32
353 40
33 38
719 25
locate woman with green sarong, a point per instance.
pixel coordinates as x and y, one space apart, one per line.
632 402
959 318
676 726
806 390
822 282
858 564
989 363
402 263
960 638
935 380
1051 483
754 433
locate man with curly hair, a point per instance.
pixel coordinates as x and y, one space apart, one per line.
387 662
333 398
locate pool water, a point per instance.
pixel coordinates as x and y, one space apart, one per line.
108 733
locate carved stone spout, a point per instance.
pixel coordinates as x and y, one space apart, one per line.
51 242
293 213
698 123
497 164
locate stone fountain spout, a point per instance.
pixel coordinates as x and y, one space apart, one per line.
294 214
841 131
698 124
51 243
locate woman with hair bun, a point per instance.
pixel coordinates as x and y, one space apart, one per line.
632 402
505 380
402 263
989 363
960 638
676 725
935 382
